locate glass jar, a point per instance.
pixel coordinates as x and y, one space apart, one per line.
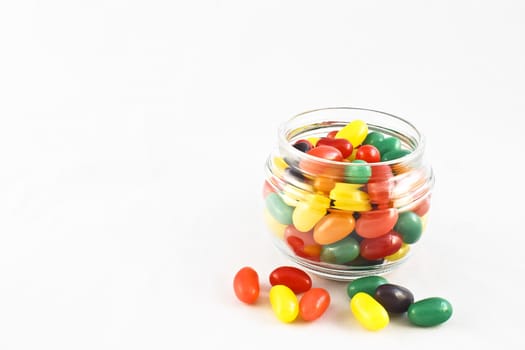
347 217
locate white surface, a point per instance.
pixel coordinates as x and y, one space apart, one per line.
132 141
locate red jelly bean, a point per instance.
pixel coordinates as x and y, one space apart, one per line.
377 248
376 223
292 277
314 303
302 243
246 285
332 134
343 145
319 167
326 152
422 208
368 153
380 184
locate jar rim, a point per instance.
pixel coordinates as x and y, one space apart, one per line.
283 132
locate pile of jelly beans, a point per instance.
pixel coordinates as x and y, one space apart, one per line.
372 299
357 215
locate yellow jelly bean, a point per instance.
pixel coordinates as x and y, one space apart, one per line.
424 222
308 213
273 225
401 253
313 140
349 197
279 165
369 312
355 132
284 303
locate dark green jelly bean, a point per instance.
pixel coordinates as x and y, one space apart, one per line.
279 209
366 284
373 138
358 174
394 154
341 251
409 226
360 261
388 144
429 312
395 299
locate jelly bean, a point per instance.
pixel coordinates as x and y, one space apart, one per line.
303 145
273 225
314 303
395 299
246 285
380 185
267 189
353 155
309 252
348 197
293 176
326 152
306 238
323 184
358 174
369 312
279 209
380 173
292 277
278 166
307 214
340 252
284 303
366 285
380 247
313 140
376 223
373 138
333 227
355 132
409 226
343 145
422 207
429 312
368 153
388 144
332 134
401 253
424 220
394 154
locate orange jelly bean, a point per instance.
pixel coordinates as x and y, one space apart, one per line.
333 227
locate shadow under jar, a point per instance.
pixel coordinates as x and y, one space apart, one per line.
341 211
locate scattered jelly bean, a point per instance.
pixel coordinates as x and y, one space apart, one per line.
284 303
376 223
314 303
401 253
340 252
366 285
279 209
368 312
368 153
343 145
246 285
355 132
394 298
394 154
333 227
303 145
380 247
409 226
358 174
429 312
373 138
292 277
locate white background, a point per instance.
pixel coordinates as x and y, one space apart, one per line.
132 141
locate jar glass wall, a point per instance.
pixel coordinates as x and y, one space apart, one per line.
344 216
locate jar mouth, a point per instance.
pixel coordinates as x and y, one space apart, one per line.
296 127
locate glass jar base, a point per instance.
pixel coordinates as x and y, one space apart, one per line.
342 273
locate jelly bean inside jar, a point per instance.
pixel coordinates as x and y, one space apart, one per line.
347 191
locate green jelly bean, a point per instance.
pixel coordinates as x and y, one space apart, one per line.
429 312
279 209
373 138
394 154
358 174
388 144
366 284
340 252
410 226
